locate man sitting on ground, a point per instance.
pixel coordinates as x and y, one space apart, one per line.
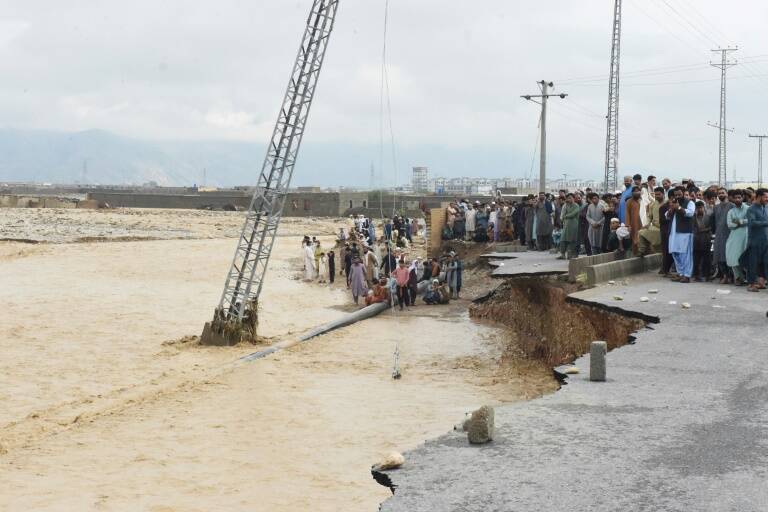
380 293
437 294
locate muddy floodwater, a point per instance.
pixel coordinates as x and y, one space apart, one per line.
106 406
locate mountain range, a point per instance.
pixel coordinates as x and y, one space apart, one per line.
98 157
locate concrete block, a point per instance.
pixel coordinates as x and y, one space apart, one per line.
481 425
597 352
510 247
621 268
577 266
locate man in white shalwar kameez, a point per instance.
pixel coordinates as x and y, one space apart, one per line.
309 262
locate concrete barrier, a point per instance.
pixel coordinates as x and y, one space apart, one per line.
510 247
621 268
597 352
578 266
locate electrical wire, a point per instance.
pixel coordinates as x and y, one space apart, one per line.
697 51
535 149
696 29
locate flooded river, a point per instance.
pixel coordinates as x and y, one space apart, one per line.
100 414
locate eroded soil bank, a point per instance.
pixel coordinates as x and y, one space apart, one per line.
550 328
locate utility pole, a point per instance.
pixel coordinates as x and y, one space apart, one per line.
373 177
544 85
723 65
759 158
612 132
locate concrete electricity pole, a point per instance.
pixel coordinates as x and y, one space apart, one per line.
759 158
723 65
543 153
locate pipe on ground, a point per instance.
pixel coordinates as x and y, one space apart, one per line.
348 319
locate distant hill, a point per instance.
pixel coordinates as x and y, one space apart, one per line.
101 157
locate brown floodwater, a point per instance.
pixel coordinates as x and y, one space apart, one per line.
99 414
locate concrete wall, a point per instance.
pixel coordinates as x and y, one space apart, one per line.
14 201
189 201
436 225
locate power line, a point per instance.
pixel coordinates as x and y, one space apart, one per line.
653 84
696 29
711 26
662 70
642 11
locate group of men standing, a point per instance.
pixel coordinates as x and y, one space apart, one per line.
700 232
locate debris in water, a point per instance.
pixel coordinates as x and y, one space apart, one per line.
392 460
672 302
685 305
618 297
611 282
396 363
644 299
716 306
653 291
724 292
573 370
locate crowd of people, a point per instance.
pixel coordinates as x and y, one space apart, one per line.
703 233
382 270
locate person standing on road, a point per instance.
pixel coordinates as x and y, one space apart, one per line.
469 225
322 269
722 232
331 266
702 243
681 212
347 263
665 226
737 240
357 280
757 239
596 219
650 236
544 226
570 235
401 275
634 219
625 197
309 262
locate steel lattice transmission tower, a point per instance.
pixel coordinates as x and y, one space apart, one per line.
236 315
612 134
723 65
760 139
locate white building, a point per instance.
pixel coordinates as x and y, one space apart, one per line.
420 179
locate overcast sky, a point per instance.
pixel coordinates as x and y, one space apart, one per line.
217 70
